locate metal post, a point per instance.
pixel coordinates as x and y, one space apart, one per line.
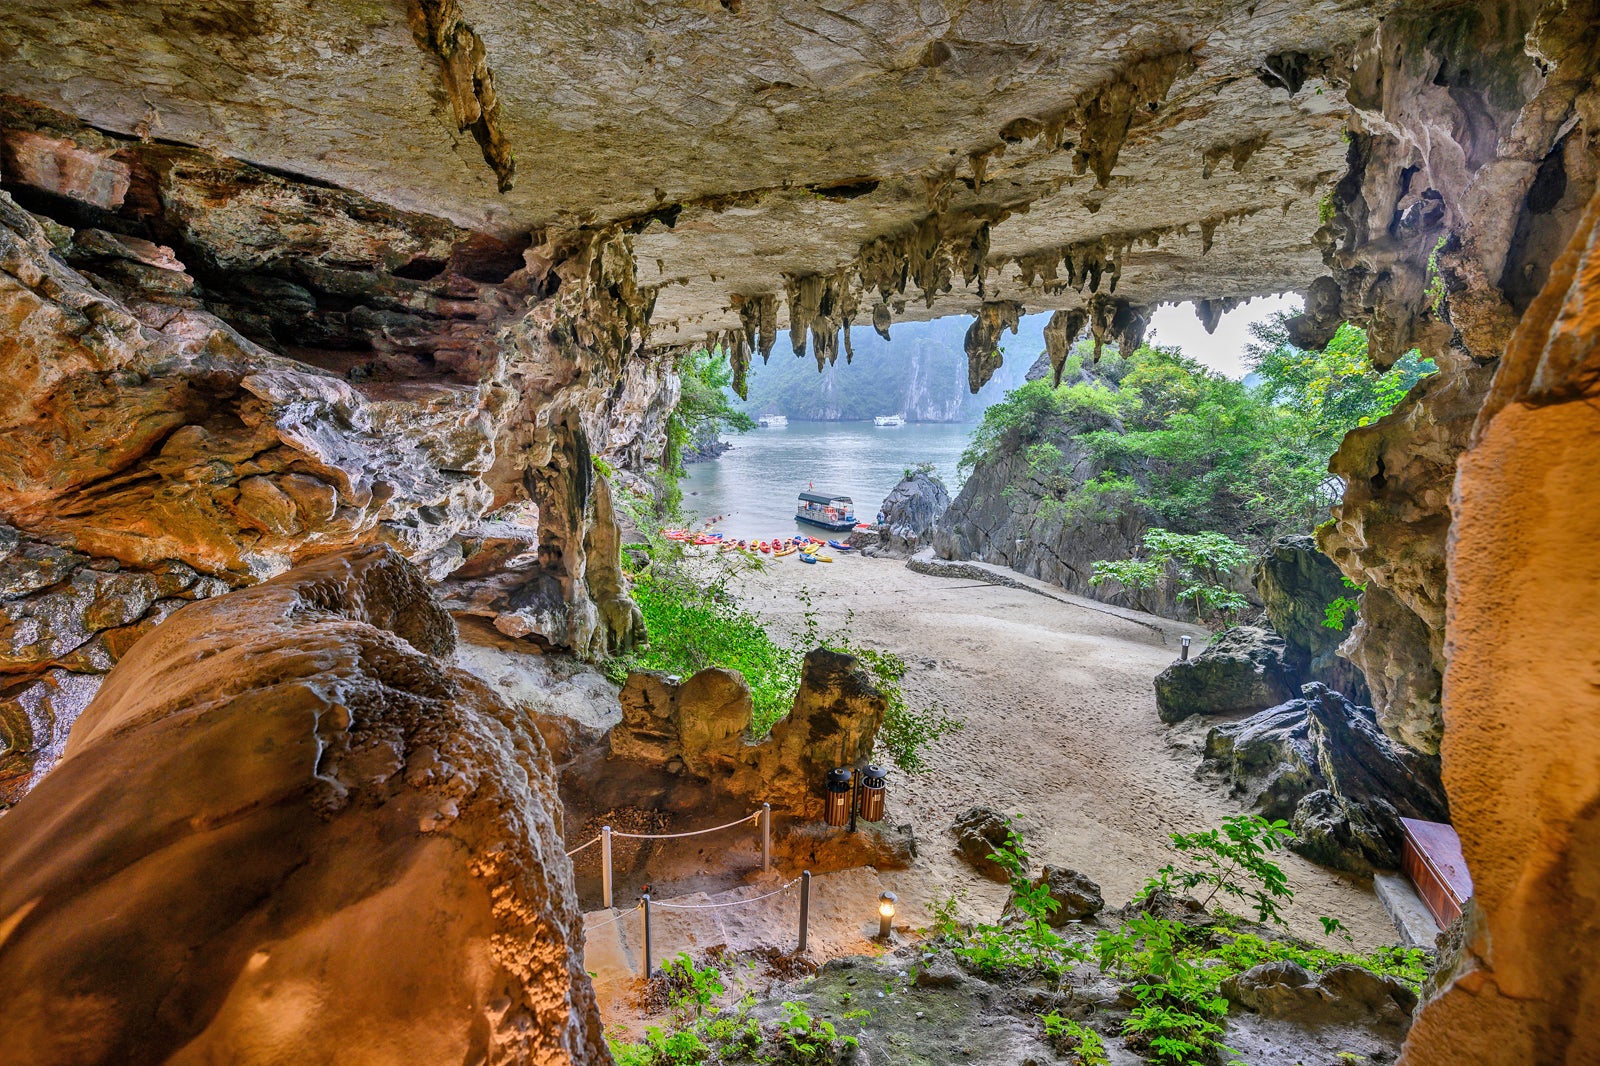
605 866
766 836
1184 654
805 908
855 795
648 964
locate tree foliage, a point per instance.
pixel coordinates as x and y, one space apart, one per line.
1194 450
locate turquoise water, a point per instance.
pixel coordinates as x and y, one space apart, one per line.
755 483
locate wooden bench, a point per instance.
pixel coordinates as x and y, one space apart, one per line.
1432 858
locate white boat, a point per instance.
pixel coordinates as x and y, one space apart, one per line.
772 421
889 420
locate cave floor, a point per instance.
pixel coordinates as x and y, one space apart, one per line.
1061 730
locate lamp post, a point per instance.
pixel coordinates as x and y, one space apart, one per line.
1184 654
886 904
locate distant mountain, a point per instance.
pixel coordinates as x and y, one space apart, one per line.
921 372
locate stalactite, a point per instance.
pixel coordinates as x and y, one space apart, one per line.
1060 334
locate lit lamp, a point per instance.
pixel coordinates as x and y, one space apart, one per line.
1185 653
840 791
886 904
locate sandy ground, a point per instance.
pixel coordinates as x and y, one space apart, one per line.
1061 730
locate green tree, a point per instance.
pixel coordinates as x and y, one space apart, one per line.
704 411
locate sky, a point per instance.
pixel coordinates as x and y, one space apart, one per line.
1177 324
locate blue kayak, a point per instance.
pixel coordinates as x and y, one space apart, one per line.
807 557
840 545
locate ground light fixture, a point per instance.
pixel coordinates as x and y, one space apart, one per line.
1185 642
849 793
886 904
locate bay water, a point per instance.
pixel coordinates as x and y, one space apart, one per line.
755 483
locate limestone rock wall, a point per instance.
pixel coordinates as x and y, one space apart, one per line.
284 830
703 722
1472 152
1522 714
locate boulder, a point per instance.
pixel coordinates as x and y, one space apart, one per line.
979 832
910 512
1321 763
1242 670
1079 897
1296 583
1343 994
300 832
1268 758
703 724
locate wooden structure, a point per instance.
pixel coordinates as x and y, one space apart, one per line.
1432 858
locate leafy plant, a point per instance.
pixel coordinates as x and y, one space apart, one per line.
695 986
1084 1044
808 1039
1233 862
1199 564
1334 615
999 948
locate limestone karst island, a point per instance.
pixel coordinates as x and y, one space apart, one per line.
799 533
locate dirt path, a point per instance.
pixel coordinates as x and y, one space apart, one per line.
1061 728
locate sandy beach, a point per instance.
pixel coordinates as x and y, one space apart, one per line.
1061 730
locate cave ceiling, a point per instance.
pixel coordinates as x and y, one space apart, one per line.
929 156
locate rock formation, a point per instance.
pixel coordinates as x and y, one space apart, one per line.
1241 670
703 724
1076 896
1522 713
300 832
911 511
1321 763
1297 584
282 279
979 833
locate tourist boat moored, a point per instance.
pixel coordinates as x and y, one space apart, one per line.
829 512
889 420
772 421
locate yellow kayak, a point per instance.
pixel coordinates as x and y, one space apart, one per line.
821 558
786 551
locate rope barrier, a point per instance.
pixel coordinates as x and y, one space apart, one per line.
693 833
611 921
715 906
580 847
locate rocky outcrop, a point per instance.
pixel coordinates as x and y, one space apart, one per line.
65 619
980 832
1390 533
910 512
1321 763
224 367
1341 994
702 725
1522 713
285 792
1454 109
1241 670
1076 896
1297 584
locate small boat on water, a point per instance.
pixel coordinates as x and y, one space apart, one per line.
772 421
889 420
829 512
